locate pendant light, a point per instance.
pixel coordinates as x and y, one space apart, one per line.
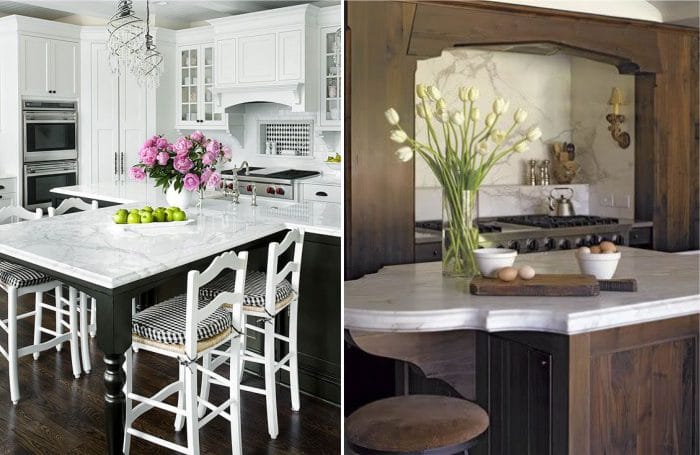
125 40
148 67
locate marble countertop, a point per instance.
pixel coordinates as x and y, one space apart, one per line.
89 246
317 217
416 298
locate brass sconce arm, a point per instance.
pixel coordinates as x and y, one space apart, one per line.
616 120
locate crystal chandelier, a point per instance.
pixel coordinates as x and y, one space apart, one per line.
125 41
148 66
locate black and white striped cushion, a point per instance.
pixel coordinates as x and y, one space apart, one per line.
20 276
165 321
254 288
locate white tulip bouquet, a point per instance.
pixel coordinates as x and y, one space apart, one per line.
460 152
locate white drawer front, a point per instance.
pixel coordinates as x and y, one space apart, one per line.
322 193
7 186
7 199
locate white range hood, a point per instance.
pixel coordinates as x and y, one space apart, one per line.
291 95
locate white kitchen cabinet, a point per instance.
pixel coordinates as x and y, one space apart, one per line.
313 192
197 108
257 58
226 62
290 56
8 197
118 119
331 77
49 67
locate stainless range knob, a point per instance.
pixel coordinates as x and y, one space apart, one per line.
514 245
533 245
564 244
548 244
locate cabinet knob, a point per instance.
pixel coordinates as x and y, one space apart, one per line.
2 187
321 193
543 363
0 196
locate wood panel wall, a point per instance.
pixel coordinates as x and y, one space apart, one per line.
386 40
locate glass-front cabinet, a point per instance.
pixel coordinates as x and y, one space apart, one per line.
331 80
195 96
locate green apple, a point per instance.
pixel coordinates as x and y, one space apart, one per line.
133 218
159 216
148 208
120 217
179 216
168 215
136 211
146 217
174 209
124 211
161 208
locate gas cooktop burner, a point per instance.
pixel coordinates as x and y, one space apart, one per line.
436 225
547 221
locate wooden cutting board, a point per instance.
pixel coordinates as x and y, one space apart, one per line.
540 285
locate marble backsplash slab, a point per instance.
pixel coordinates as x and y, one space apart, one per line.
502 200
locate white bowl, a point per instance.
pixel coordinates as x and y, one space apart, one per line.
602 265
491 260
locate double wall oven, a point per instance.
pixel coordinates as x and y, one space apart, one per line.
50 151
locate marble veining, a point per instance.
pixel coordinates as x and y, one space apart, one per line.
90 247
415 298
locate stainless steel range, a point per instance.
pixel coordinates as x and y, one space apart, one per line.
530 233
277 183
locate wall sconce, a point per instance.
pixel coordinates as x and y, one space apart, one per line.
616 120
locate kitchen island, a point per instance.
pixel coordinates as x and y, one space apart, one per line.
614 373
115 263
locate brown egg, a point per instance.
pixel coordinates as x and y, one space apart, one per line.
595 249
526 272
607 247
508 273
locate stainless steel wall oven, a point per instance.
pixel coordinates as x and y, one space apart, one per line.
50 130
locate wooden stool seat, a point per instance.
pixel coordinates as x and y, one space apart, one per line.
415 424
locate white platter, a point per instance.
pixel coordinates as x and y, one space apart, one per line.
136 227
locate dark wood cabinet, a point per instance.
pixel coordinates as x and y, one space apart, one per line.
518 396
631 390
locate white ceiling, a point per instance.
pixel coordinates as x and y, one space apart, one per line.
175 14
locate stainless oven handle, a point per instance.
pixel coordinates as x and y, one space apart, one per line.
123 169
115 163
68 120
60 171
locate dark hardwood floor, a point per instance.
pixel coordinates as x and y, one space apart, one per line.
58 414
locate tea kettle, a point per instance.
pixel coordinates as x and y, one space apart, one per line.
562 206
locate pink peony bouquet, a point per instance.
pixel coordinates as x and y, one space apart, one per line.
189 163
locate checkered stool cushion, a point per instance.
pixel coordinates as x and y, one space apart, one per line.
254 288
20 276
165 321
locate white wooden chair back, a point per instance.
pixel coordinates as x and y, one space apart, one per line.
294 238
72 203
234 300
16 213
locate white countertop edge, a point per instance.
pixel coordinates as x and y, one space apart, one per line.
107 198
519 319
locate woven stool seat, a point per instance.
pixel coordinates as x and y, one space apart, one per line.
415 424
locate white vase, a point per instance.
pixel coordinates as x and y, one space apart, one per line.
183 199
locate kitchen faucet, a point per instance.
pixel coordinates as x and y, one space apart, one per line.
236 192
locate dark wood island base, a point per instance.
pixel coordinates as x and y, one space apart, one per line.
631 389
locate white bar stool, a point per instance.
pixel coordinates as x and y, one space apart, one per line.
185 328
85 328
17 281
267 294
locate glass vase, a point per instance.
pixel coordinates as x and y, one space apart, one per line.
460 234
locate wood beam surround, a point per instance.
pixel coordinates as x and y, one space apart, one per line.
381 204
387 38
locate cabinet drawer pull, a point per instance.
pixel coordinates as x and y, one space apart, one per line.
321 193
2 187
0 196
